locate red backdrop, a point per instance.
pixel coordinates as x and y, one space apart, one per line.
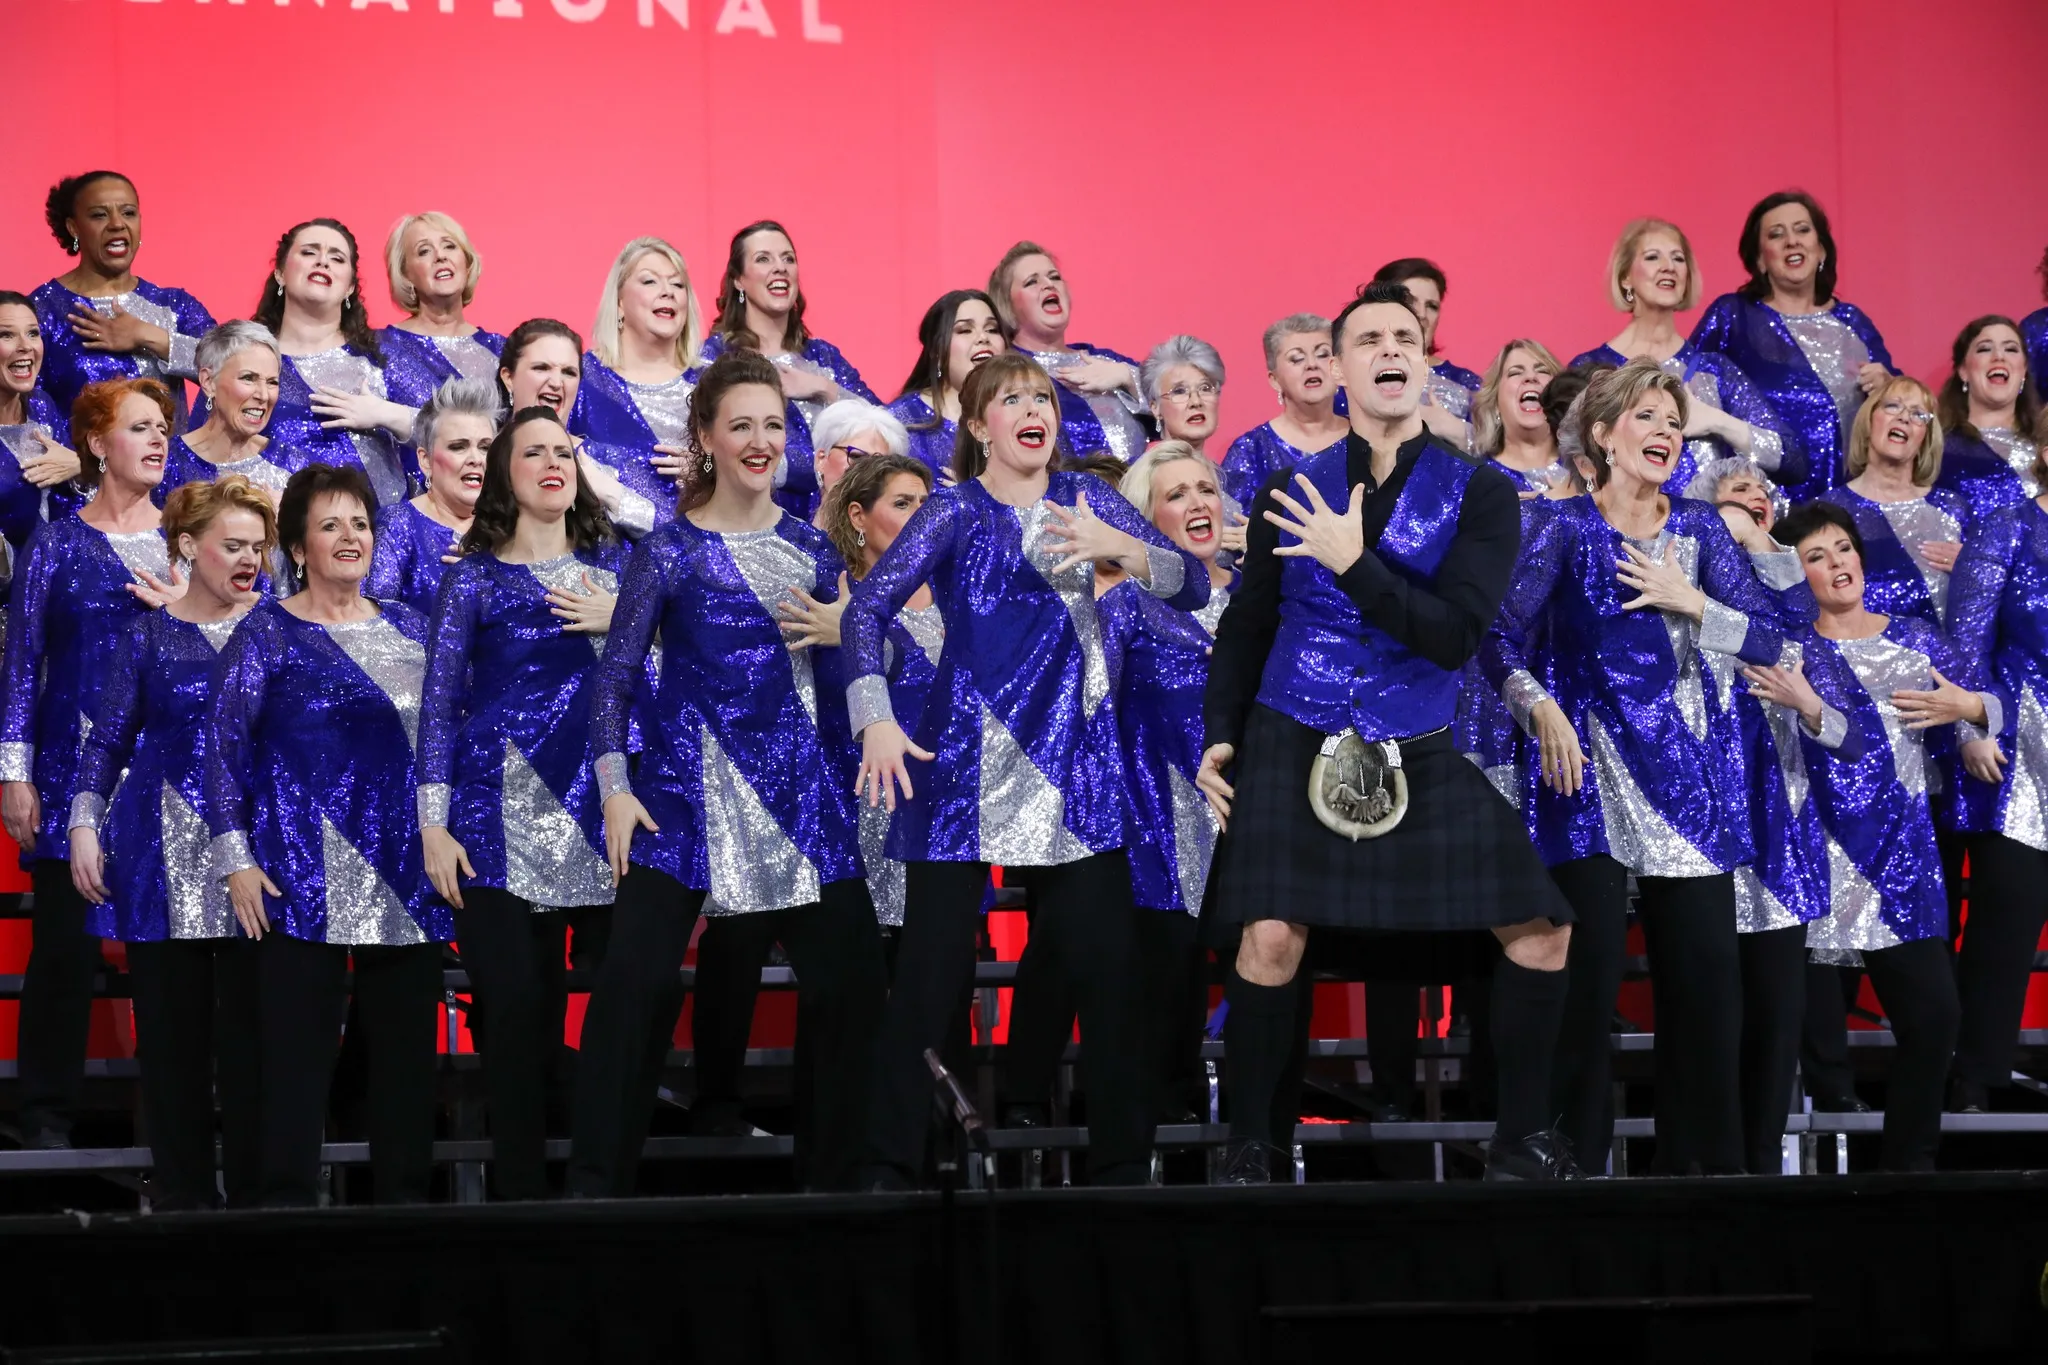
1200 167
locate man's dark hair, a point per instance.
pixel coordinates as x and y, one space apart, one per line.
1376 292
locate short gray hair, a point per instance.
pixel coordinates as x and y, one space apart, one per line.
229 340
1706 481
850 415
457 398
1294 324
1179 350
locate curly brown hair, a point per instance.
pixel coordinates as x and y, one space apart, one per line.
862 486
62 199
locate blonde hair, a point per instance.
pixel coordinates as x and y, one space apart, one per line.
1624 257
999 280
1137 481
605 332
402 291
193 507
1926 460
1611 395
1487 434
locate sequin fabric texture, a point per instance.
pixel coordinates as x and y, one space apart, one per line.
1805 368
141 779
269 470
622 436
1163 672
1451 387
1027 771
742 769
931 437
66 612
1095 423
393 469
1998 615
798 488
415 365
505 728
1883 870
1257 456
1993 469
1483 727
68 366
311 774
1716 381
23 506
406 564
1898 578
1661 794
916 638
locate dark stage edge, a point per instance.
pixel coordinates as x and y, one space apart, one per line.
1944 1267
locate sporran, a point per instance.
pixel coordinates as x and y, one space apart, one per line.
1357 789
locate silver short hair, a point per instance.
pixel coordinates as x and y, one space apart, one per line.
849 415
229 340
1295 324
1178 350
457 398
1706 480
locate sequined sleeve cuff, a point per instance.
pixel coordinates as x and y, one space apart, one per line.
1994 720
17 762
1523 694
1777 569
87 810
433 802
612 778
228 854
1723 629
1767 448
1834 728
867 701
184 358
632 513
1166 570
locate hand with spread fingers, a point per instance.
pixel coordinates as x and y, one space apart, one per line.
1334 539
1943 704
1084 538
806 621
584 613
1659 586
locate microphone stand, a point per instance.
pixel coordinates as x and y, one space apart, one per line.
967 1120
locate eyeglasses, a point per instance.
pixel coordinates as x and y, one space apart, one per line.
856 453
1919 417
1182 395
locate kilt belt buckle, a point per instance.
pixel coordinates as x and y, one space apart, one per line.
1357 789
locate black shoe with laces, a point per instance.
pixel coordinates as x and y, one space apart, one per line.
1247 1161
1538 1156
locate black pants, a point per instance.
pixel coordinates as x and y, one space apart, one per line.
1831 992
2008 904
302 1001
1695 974
1773 1008
56 1001
195 1002
516 961
836 952
731 952
1087 925
1915 982
1392 1007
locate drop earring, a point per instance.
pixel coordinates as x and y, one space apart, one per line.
1628 296
706 466
74 244
860 539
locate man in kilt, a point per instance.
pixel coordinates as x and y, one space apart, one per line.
1372 572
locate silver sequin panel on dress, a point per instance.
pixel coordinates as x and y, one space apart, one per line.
343 369
361 906
808 407
566 574
885 874
927 627
393 661
1023 815
1638 838
1210 613
2018 451
665 407
470 357
1836 354
199 905
1076 587
141 551
1450 395
184 349
772 566
548 861
754 865
258 471
2025 819
1915 522
1194 839
1121 430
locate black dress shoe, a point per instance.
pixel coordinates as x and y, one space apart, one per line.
1967 1097
1539 1156
1247 1161
1839 1104
1390 1111
882 1178
46 1140
1026 1116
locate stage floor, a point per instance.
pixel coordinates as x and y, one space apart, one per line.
1945 1267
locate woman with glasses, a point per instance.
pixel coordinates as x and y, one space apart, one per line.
1992 416
852 429
1182 381
1912 530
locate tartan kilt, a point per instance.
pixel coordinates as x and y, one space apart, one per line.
1459 860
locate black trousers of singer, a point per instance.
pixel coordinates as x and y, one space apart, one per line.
56 1001
731 952
836 951
1087 925
1695 975
1916 984
302 1000
2008 905
1824 1066
195 1019
1773 1012
516 958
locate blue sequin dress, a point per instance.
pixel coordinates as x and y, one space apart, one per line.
415 365
23 506
505 728
798 490
1452 388
69 609
742 769
1660 795
1027 772
1898 580
311 774
141 781
68 366
1098 423
1805 366
910 654
931 436
1991 468
621 423
1257 456
393 467
269 469
1998 616
1717 381
406 565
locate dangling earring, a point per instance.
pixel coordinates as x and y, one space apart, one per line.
74 244
706 467
860 538
1628 296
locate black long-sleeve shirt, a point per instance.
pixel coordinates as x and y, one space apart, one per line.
1443 622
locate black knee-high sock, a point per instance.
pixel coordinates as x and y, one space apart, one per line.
1258 1042
1527 1007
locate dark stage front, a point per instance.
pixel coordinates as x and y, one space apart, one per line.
1752 1270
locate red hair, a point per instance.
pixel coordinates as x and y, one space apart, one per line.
98 408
